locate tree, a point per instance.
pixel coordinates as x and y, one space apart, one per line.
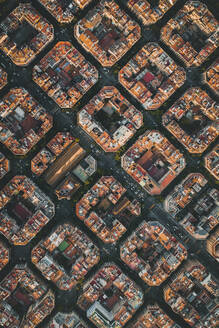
117 156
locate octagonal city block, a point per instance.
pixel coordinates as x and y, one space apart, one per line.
193 120
23 121
64 11
25 300
24 33
195 203
24 210
152 76
66 256
64 74
192 34
106 209
110 119
152 252
192 294
153 162
107 32
150 11
110 298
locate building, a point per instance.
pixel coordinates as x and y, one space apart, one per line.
66 320
152 252
4 165
110 298
66 256
3 78
212 162
211 76
149 12
64 74
24 33
192 295
107 32
212 244
24 299
23 121
152 76
67 187
4 255
110 119
193 120
63 164
24 210
106 210
154 317
64 13
184 192
203 216
196 205
153 162
86 168
192 34
55 147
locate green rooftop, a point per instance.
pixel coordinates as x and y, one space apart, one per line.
63 246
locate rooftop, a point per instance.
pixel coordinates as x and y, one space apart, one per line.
192 33
3 78
150 11
211 76
184 192
24 210
64 163
193 120
110 119
23 121
25 299
4 165
110 297
106 210
54 148
107 32
24 34
65 256
64 11
67 187
4 255
66 320
153 162
64 74
152 76
152 252
192 295
212 244
212 162
195 204
154 317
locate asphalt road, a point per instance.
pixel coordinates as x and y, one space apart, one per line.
152 207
